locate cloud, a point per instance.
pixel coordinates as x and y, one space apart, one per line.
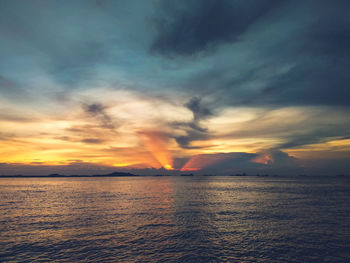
212 162
280 128
276 159
98 111
194 130
6 136
16 117
269 161
203 76
92 141
188 27
184 141
292 56
199 111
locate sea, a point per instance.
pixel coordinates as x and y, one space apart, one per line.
175 219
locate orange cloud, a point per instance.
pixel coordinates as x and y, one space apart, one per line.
264 159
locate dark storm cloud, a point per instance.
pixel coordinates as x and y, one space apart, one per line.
194 131
321 58
188 27
94 109
240 162
98 111
280 158
321 82
191 135
296 53
199 111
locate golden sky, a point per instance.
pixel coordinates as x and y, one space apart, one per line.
132 130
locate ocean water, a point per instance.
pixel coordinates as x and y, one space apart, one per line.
175 219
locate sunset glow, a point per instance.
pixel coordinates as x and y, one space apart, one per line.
131 90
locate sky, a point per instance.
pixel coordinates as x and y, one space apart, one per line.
160 86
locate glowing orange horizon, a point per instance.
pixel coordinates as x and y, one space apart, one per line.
156 145
143 141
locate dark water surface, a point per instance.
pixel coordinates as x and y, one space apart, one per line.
175 219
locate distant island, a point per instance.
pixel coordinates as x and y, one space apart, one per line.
126 174
114 174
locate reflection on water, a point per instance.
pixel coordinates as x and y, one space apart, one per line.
175 219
